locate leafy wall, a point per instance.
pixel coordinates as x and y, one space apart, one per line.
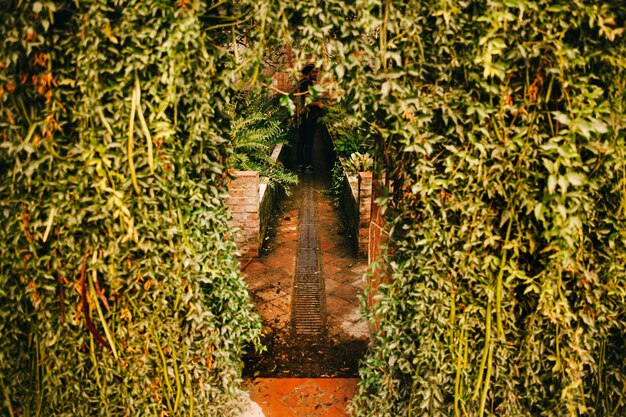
500 125
119 289
498 122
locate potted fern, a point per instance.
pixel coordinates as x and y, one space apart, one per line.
258 132
257 126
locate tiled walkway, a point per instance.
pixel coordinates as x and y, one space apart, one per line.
307 375
303 397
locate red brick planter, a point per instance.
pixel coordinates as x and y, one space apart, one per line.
250 203
357 204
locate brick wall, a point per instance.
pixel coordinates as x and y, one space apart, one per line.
282 81
378 273
250 202
365 213
357 205
244 202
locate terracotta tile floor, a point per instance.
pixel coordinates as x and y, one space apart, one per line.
270 276
303 397
322 382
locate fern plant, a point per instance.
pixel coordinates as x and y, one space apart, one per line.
347 131
257 125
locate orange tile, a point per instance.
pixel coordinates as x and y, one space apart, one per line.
283 262
330 285
330 270
277 387
303 397
335 412
254 267
256 283
326 246
346 292
308 399
342 389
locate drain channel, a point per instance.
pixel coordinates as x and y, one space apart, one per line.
309 301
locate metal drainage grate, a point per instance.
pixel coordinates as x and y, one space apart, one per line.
309 301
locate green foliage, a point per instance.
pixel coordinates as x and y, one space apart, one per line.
346 131
258 124
337 179
351 166
498 123
119 290
500 128
360 162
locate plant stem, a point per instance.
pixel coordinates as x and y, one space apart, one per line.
600 372
104 121
188 383
23 108
38 376
459 367
177 375
92 354
558 351
499 283
235 50
7 398
548 94
483 397
486 348
144 125
131 133
452 312
164 365
383 36
105 326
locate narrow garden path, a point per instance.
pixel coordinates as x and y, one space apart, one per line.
305 286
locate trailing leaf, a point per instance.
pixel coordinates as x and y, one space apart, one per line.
257 125
121 293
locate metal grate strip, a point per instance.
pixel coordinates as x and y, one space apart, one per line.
309 302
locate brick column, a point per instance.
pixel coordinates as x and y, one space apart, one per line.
380 273
243 202
365 212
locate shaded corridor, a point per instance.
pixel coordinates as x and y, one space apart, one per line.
295 349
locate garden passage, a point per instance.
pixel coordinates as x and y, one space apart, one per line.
314 334
494 130
306 284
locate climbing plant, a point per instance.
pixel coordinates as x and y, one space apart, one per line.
498 124
500 128
347 132
119 289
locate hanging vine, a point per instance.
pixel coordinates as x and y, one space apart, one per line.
498 124
120 288
505 123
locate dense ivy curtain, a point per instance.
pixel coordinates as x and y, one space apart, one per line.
119 287
498 124
500 127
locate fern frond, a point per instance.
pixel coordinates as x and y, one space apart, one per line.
257 124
